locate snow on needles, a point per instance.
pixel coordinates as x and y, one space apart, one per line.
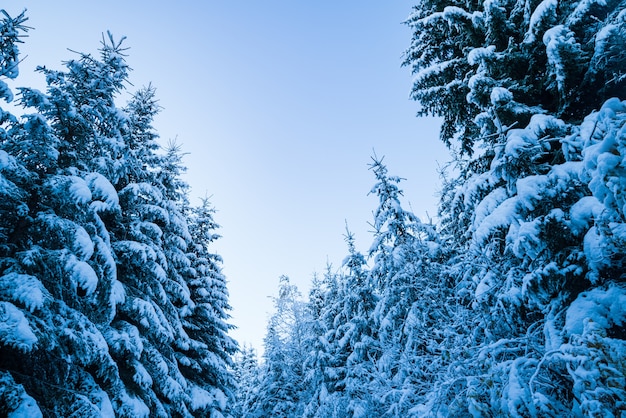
605 307
23 289
14 328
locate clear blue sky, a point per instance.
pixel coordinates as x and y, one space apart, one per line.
279 104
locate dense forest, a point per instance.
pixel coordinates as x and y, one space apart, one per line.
514 302
511 303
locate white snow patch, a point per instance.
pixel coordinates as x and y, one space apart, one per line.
83 275
137 249
500 96
79 191
201 399
593 245
489 204
118 294
603 39
6 161
82 245
484 287
605 307
125 341
104 403
516 393
526 242
582 10
545 11
503 216
559 42
529 190
103 191
134 407
28 408
141 376
14 328
518 141
478 55
151 316
24 289
583 212
539 124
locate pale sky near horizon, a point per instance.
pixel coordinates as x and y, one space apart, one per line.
279 105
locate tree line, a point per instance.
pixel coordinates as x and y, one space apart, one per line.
513 302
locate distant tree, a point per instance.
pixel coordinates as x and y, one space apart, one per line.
345 345
283 369
246 372
410 314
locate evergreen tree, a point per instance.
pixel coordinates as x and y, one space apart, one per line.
483 66
407 269
59 267
207 362
345 340
17 335
150 244
521 218
285 355
246 373
98 286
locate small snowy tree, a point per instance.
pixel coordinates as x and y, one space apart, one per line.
246 372
350 343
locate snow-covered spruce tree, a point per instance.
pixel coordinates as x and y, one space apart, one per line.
149 311
594 331
175 294
17 336
58 268
325 366
347 344
541 279
411 311
506 60
535 264
318 352
94 265
334 383
207 362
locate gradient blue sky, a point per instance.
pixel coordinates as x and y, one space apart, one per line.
279 104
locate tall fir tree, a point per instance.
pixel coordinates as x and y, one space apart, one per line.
522 216
96 275
207 362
